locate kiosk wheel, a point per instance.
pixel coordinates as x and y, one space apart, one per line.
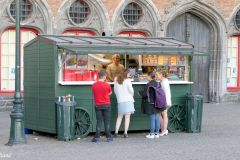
82 122
176 118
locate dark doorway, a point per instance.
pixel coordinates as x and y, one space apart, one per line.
194 30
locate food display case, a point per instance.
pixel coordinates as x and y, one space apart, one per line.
85 67
75 68
61 65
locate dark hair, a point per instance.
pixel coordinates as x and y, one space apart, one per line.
101 74
121 77
152 75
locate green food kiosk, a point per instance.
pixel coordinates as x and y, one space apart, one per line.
61 65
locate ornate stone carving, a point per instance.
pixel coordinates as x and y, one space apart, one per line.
232 29
148 23
36 20
95 22
166 10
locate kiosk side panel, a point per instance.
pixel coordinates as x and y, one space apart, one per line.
39 87
31 89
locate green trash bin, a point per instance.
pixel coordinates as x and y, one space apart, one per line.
65 118
194 113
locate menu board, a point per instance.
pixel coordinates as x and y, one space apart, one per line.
173 60
150 60
154 60
160 60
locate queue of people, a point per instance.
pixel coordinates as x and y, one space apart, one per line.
124 92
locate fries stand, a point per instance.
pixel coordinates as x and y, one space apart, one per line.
60 65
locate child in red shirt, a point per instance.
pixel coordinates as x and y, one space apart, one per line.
101 93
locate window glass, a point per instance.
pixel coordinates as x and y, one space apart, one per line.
26 9
232 62
132 13
7 53
79 33
79 11
81 67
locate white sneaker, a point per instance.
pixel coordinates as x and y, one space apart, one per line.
164 133
156 135
150 135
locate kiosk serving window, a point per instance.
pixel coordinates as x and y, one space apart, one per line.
81 58
78 67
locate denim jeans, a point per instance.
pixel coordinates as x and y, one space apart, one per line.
154 123
103 113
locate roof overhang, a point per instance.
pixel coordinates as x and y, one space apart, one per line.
121 45
126 50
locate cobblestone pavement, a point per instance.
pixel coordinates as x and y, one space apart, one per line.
219 140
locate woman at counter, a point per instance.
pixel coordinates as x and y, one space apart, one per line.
124 93
163 115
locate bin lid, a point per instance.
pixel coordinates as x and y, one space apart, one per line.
66 103
194 96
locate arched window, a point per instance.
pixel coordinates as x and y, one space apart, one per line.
233 67
237 20
79 32
79 12
26 9
7 57
133 34
132 13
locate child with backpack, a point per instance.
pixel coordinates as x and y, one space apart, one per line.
148 106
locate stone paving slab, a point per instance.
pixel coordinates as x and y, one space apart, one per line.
219 140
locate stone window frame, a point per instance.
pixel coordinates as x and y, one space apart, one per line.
235 88
141 18
90 16
28 19
235 19
22 30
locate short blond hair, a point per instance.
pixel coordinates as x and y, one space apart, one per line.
115 56
164 73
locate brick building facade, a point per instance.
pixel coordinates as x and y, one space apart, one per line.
213 26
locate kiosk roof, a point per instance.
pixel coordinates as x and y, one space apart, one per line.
121 45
